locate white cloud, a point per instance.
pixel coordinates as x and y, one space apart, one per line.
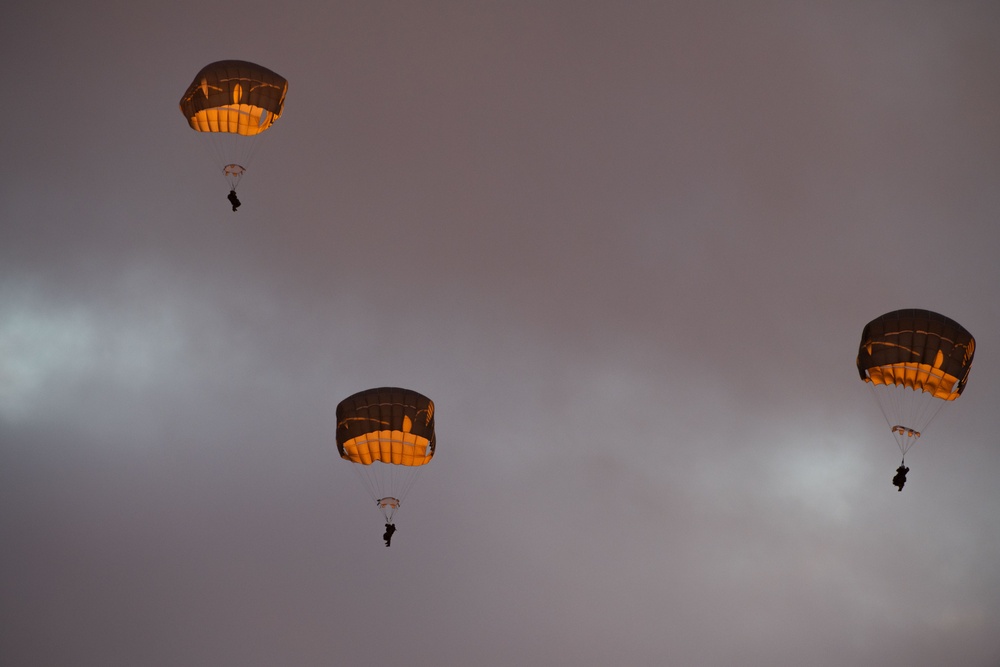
38 350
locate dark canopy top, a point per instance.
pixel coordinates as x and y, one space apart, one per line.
234 96
918 349
386 424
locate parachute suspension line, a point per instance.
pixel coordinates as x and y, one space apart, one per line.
210 145
382 481
231 153
880 403
234 156
407 483
929 409
400 479
367 480
392 481
906 411
251 148
216 146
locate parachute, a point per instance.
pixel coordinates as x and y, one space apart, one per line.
386 434
233 102
914 361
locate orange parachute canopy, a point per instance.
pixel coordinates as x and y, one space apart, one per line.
234 96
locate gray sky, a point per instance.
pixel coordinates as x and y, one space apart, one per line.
627 248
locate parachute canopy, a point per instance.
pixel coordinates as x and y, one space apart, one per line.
234 96
915 361
917 349
387 424
387 433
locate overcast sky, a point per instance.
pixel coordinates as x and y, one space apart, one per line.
628 249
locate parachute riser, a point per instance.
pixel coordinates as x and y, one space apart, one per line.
233 173
388 506
905 437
